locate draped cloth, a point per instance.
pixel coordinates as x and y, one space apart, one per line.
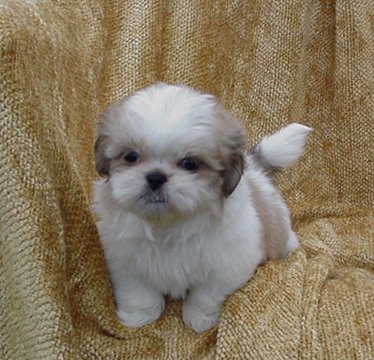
271 63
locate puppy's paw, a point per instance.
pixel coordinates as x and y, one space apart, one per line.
198 320
139 317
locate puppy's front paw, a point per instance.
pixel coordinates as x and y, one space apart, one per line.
198 320
139 317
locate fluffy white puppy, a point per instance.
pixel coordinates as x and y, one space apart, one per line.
182 210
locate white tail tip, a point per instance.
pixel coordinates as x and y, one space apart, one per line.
283 148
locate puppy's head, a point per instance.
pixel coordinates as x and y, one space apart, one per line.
169 151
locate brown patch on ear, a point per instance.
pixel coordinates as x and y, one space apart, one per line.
233 173
232 151
102 162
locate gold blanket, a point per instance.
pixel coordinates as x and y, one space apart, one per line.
271 62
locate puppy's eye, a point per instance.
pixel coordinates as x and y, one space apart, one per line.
189 164
131 157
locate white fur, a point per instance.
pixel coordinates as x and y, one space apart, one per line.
283 149
196 245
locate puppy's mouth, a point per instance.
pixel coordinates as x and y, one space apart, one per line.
154 198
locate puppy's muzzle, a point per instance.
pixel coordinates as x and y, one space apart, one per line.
156 179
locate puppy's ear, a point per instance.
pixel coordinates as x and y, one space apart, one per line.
232 149
108 127
234 160
102 162
233 173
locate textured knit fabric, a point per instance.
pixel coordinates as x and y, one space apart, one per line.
271 62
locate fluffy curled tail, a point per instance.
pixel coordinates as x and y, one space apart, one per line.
281 149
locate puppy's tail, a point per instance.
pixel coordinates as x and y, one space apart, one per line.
281 149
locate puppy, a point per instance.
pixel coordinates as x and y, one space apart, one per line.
182 209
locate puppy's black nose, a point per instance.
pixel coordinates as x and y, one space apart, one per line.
156 179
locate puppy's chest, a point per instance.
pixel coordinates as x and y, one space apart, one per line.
173 267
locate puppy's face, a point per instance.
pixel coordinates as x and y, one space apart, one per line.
169 151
